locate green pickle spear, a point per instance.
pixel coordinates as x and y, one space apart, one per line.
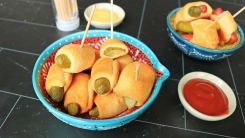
194 11
63 61
112 51
56 93
94 111
185 27
102 86
73 108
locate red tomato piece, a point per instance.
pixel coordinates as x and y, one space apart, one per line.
233 38
221 43
187 36
203 8
217 11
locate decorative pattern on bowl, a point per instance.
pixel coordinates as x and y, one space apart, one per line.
137 50
196 51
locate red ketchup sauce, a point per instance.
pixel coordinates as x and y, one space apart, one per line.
206 97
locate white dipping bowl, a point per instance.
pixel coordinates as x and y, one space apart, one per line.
214 79
104 25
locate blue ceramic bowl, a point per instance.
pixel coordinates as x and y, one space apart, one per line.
138 50
196 51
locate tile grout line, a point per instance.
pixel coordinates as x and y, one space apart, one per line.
183 69
240 20
44 3
183 72
141 19
235 89
1 91
13 50
231 3
28 1
10 112
31 23
179 3
173 79
182 128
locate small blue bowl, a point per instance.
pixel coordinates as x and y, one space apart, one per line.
138 50
196 51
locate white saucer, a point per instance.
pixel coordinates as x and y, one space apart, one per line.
105 25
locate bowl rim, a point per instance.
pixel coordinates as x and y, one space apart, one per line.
214 79
97 24
242 39
42 57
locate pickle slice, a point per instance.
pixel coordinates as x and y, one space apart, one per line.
73 108
114 51
194 11
56 93
62 61
217 26
102 86
94 111
184 26
130 102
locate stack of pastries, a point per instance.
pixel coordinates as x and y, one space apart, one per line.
102 83
196 22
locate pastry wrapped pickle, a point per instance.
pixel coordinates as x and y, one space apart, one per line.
124 61
73 58
204 36
104 75
113 48
192 11
227 26
57 82
135 91
108 106
79 97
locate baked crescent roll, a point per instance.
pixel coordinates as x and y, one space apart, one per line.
113 48
138 89
124 61
104 75
227 26
73 58
109 105
204 36
57 82
79 93
97 54
183 15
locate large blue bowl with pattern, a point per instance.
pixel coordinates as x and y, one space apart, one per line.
137 50
200 52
